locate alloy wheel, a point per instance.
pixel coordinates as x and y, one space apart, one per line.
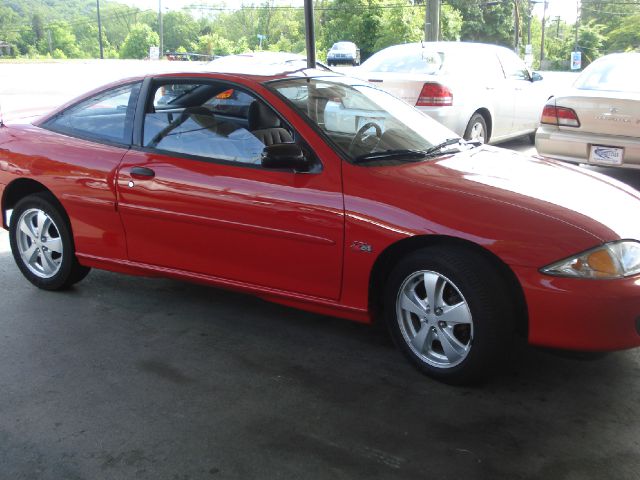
434 319
39 243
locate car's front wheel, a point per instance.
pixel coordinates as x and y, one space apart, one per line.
42 244
448 310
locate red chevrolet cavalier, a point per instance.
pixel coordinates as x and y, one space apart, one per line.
312 190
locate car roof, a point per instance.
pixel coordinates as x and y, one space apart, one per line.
268 62
444 46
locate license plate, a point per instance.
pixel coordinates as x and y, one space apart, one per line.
603 155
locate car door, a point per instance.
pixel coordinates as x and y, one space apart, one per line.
495 90
526 112
194 198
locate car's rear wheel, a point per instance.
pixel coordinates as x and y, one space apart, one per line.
448 310
477 129
42 244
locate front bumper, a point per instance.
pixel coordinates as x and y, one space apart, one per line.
581 314
345 59
574 146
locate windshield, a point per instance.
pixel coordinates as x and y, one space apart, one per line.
361 120
343 46
618 73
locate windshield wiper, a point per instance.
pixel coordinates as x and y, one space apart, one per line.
387 154
436 149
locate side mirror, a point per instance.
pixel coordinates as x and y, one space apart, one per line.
536 77
284 156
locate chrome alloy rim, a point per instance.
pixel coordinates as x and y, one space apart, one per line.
434 319
39 243
477 132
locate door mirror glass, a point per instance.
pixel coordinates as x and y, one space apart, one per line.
536 77
284 156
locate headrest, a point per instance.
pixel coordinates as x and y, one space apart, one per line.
261 116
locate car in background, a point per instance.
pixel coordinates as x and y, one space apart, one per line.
482 92
343 52
597 121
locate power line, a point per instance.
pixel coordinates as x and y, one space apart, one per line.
80 21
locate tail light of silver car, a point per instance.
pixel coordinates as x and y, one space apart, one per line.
559 116
434 95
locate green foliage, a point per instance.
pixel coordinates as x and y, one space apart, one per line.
358 21
626 36
487 22
214 44
451 22
591 41
180 30
59 54
400 25
53 28
137 43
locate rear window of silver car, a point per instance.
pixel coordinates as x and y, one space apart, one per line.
411 60
617 73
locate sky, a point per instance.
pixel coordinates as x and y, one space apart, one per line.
566 9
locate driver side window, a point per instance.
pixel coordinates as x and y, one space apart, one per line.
212 121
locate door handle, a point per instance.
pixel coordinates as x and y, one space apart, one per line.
142 173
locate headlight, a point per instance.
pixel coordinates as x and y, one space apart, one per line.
611 260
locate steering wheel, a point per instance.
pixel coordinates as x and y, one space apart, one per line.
359 137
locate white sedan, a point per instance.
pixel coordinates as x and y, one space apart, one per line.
481 92
598 120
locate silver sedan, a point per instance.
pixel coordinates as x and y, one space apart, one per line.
598 121
481 92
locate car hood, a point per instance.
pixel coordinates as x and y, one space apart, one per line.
599 206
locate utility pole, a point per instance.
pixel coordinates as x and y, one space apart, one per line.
575 46
100 30
310 33
530 11
160 28
516 13
432 20
544 19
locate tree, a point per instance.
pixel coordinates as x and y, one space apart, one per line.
59 36
483 21
180 30
358 21
450 23
214 44
590 42
400 24
137 43
626 36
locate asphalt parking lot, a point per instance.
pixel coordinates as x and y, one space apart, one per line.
125 377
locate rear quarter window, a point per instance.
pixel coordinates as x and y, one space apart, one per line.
107 116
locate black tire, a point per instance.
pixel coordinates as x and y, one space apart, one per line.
532 137
476 121
67 270
471 284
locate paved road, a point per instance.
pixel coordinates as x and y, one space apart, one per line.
124 377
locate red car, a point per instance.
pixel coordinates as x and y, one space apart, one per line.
312 190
